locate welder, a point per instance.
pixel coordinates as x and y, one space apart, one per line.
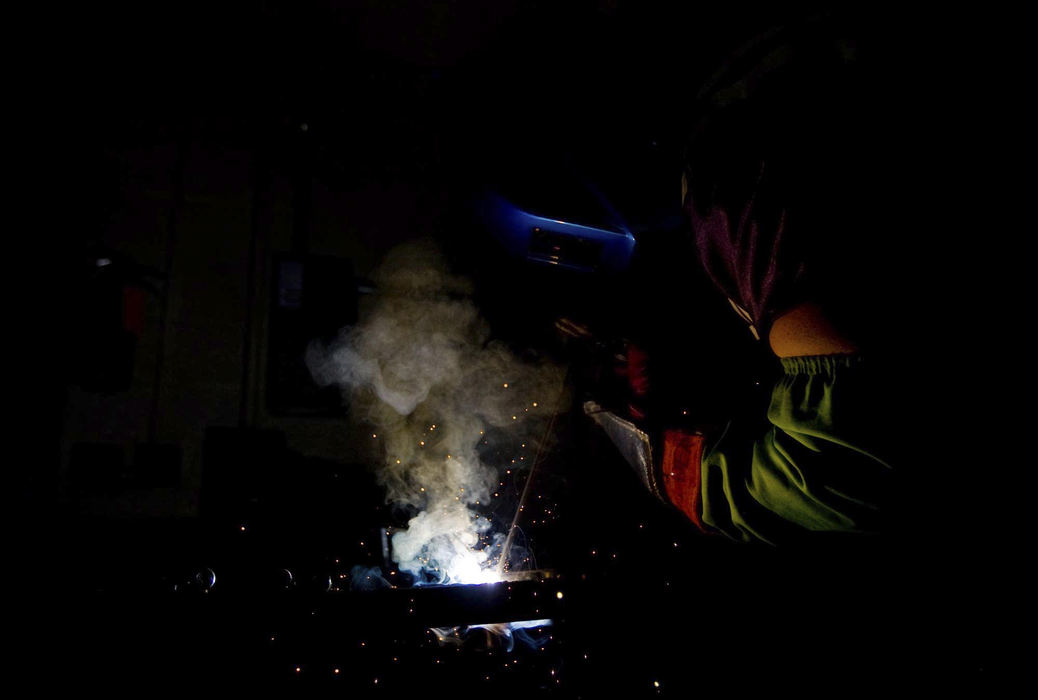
785 178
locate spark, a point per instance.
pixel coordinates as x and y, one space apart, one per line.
506 385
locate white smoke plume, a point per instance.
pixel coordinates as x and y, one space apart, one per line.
421 369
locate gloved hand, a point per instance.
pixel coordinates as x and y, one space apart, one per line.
633 368
674 478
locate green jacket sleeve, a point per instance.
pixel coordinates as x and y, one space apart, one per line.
824 464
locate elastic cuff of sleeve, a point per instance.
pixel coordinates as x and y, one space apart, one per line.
819 364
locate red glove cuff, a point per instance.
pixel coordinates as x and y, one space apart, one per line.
681 471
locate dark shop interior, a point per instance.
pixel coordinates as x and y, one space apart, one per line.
417 348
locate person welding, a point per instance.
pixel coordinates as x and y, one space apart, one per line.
783 189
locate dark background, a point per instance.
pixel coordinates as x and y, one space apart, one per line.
198 148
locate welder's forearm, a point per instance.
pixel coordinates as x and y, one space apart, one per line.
805 331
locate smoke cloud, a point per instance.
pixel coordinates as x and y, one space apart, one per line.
449 408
